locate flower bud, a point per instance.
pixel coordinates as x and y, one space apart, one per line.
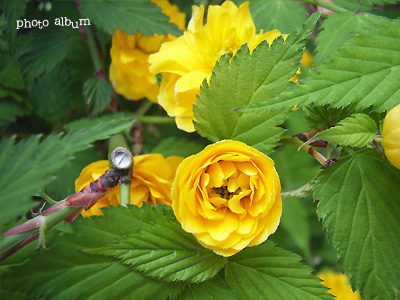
391 136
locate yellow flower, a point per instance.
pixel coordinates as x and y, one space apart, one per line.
391 136
129 69
339 286
228 197
188 60
151 181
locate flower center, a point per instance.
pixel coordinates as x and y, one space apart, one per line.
223 192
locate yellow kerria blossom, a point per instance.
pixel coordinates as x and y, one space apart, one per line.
129 69
339 286
151 181
185 62
391 136
228 197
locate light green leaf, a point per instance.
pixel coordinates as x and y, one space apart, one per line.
284 15
42 53
248 79
363 72
359 200
212 289
52 95
268 272
165 251
358 130
98 92
175 146
336 29
14 10
128 16
31 163
65 272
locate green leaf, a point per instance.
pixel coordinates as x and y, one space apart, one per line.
285 15
10 110
355 131
336 29
31 163
52 95
362 72
65 272
366 5
175 146
42 53
359 205
128 16
10 77
325 116
165 251
98 92
64 185
212 289
248 79
268 272
14 10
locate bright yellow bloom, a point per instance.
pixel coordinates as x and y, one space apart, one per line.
339 286
129 69
151 181
391 136
228 197
188 60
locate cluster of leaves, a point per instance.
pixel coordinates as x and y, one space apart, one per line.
48 85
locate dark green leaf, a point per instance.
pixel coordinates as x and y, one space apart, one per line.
337 28
14 10
98 92
325 116
212 289
165 251
31 163
128 16
359 200
268 272
52 95
66 272
362 72
249 79
42 53
364 5
174 146
10 77
10 110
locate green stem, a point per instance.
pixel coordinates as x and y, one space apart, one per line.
144 107
327 5
116 141
98 64
125 191
154 119
378 140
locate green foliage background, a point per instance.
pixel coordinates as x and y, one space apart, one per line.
58 108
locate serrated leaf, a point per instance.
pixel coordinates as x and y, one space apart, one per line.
248 79
42 53
175 146
52 94
273 14
30 163
358 130
359 205
268 272
10 110
325 116
363 5
128 16
14 10
10 77
66 272
98 92
165 251
336 29
363 72
212 289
